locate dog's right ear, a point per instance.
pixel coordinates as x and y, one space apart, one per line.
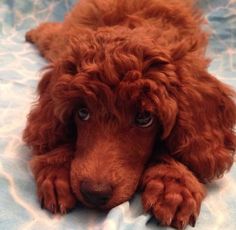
45 129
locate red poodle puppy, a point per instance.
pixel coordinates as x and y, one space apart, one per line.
127 103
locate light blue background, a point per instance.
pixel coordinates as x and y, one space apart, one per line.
19 73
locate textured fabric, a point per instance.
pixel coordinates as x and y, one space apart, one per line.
19 73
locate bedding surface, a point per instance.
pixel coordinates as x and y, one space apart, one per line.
20 64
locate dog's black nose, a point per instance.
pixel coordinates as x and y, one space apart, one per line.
96 193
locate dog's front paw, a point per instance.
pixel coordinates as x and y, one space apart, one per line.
172 202
54 190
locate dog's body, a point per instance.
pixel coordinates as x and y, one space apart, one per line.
128 101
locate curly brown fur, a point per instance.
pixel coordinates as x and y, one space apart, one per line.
119 60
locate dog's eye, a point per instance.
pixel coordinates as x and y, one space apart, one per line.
83 114
144 119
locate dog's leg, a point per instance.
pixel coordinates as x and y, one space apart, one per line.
52 175
46 37
172 194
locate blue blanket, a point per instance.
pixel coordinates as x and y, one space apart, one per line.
19 73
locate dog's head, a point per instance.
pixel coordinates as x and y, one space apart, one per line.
115 96
109 88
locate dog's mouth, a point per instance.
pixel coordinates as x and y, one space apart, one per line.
98 206
104 205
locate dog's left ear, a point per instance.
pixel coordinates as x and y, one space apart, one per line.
202 137
197 112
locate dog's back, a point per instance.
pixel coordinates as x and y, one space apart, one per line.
176 23
168 21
